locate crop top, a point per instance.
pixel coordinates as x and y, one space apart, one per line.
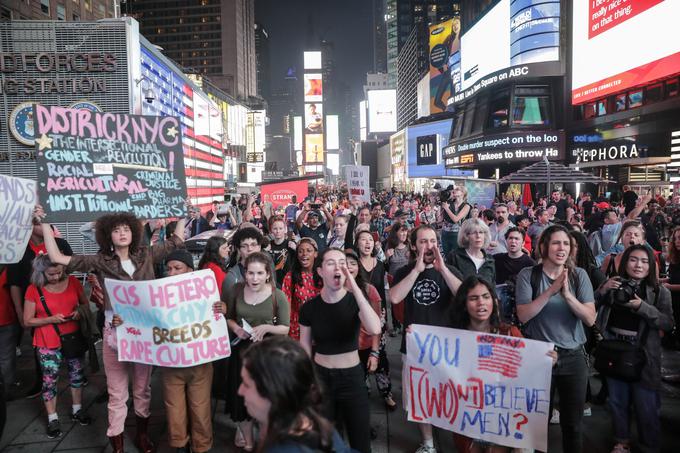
335 327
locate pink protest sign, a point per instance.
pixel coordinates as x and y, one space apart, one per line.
170 321
490 387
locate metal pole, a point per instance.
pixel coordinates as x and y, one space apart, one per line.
547 165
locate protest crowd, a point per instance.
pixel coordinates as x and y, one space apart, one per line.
312 292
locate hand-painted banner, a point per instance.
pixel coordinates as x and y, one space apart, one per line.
484 386
170 321
92 163
17 200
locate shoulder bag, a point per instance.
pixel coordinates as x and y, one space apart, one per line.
73 345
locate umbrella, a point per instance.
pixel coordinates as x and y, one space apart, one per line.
526 195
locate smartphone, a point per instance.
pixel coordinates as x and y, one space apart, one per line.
315 205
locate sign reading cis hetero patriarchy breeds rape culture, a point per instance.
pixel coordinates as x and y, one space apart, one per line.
170 321
92 163
17 200
490 387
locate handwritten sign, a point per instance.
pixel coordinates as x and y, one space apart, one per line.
17 200
92 163
357 182
170 321
484 386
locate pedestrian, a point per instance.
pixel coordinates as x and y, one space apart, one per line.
288 411
309 225
470 258
638 317
452 216
121 257
330 323
255 308
214 257
246 241
51 309
498 229
555 301
299 284
281 249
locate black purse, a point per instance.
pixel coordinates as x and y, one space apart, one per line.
73 345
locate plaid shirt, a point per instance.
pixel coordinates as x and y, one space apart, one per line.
380 224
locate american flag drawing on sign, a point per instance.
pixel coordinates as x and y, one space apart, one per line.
499 355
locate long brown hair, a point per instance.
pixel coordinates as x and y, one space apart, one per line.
673 253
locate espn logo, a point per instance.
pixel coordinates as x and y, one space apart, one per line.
467 159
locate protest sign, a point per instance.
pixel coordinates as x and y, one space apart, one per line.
17 200
170 321
357 182
281 193
484 386
92 163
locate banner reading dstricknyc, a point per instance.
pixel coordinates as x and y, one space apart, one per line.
17 200
170 321
92 163
483 386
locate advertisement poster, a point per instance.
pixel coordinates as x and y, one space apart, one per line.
444 42
170 321
313 88
382 111
489 387
601 29
92 163
357 182
280 194
17 200
481 193
314 149
313 118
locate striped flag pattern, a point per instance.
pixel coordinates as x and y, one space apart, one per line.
498 357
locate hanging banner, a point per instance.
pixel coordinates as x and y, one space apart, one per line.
17 200
481 193
489 387
169 322
92 163
357 182
280 194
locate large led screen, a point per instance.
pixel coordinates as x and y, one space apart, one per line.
332 132
382 111
313 88
507 42
314 118
297 133
622 44
314 149
312 60
444 41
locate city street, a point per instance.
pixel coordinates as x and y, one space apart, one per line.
25 430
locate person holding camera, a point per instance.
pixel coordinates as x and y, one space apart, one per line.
452 216
634 315
309 225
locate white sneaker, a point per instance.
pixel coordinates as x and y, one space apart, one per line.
18 352
587 412
425 449
555 419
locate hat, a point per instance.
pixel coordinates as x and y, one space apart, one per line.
603 205
182 256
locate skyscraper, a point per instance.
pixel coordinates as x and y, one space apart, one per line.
379 36
74 10
262 62
213 37
411 12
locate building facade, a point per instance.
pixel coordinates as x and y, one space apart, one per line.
74 10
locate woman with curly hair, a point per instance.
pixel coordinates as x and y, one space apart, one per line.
214 258
121 256
299 285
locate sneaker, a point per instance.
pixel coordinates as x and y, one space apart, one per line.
18 351
555 419
53 429
621 448
81 417
587 412
425 449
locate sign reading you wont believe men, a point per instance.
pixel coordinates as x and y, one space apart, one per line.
90 164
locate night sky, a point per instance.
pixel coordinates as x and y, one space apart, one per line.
346 23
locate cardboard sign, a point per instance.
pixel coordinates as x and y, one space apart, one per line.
92 163
280 194
17 200
357 182
170 321
488 387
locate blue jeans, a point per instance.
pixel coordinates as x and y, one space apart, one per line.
647 405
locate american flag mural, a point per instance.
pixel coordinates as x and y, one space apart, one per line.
499 355
201 127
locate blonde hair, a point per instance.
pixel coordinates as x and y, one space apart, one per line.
462 189
472 225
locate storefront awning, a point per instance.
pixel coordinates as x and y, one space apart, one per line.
546 172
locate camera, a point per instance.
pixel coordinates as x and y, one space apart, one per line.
625 292
315 205
444 196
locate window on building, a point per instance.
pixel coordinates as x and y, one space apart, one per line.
5 14
102 9
654 93
589 111
602 107
88 5
499 108
620 102
458 124
672 88
635 99
61 12
531 106
45 6
480 113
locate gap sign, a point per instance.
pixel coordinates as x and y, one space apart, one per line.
427 150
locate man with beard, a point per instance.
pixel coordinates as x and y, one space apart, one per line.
426 286
497 230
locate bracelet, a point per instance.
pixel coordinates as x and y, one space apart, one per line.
375 354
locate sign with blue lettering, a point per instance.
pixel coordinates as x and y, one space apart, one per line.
490 387
92 163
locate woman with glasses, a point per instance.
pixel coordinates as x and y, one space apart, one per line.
470 258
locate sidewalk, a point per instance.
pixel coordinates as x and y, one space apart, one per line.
25 429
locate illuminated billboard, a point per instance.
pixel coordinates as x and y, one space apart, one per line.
297 133
382 111
514 39
633 42
333 163
314 118
313 88
332 135
312 60
362 121
313 149
444 42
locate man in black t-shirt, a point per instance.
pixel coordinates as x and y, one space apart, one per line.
426 287
629 199
509 264
280 248
561 204
309 226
